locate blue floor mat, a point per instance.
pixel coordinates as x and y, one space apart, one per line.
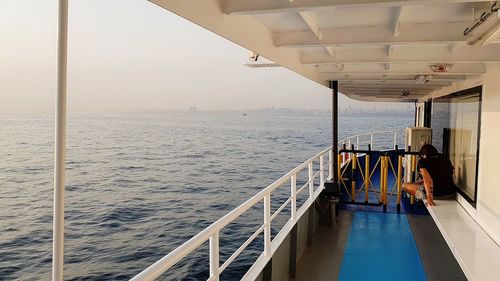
381 247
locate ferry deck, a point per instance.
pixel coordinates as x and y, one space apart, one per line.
443 56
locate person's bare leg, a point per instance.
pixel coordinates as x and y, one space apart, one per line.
410 187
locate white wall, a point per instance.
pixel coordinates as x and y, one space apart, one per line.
488 205
487 211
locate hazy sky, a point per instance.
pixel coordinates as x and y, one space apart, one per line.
133 55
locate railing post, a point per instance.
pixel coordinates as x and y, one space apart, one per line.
357 142
353 176
214 256
267 224
371 140
330 161
311 180
367 176
293 202
321 172
395 139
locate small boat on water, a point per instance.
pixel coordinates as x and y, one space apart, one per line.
356 223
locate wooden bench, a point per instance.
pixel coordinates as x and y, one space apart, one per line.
477 254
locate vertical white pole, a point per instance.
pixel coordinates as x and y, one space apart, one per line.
214 256
330 168
357 142
267 224
311 181
321 172
293 191
371 140
60 144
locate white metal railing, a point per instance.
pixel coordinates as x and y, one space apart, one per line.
211 233
356 140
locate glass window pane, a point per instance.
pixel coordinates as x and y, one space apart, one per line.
456 133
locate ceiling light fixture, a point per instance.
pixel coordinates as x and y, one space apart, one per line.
440 67
253 56
423 79
405 93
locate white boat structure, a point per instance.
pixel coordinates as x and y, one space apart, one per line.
444 55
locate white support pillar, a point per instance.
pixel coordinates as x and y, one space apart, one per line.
60 144
311 181
321 171
214 256
293 196
330 161
267 225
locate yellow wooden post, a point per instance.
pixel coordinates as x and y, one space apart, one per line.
367 176
386 170
400 171
339 159
413 168
381 200
353 175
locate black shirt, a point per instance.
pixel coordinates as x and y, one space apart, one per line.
441 172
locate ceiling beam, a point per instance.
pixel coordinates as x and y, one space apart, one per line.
396 20
390 87
410 98
312 21
389 49
404 69
464 54
428 33
246 7
382 78
376 83
331 51
380 94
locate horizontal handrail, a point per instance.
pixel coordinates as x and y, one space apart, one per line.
371 133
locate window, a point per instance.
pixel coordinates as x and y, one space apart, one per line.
456 123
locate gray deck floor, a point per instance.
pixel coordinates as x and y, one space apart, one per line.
322 260
439 262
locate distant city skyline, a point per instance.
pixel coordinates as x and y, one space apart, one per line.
130 55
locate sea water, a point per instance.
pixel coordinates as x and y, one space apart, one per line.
138 185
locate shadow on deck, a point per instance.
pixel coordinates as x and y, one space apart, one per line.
322 260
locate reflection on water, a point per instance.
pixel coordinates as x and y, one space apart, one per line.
140 184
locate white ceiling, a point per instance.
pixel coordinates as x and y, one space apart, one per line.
375 48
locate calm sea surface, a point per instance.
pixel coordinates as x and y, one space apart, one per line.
141 184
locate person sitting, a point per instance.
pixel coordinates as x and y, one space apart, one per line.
436 177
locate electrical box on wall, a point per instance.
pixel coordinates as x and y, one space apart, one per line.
415 137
